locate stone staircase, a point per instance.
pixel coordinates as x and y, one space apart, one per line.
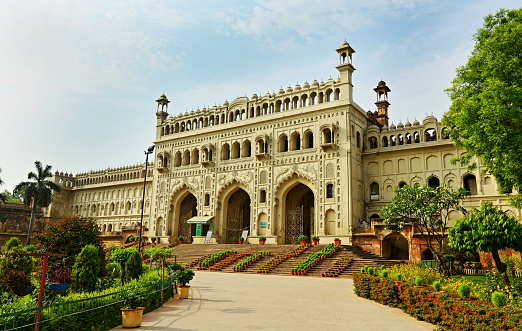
186 253
285 268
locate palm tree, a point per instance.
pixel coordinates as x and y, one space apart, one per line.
38 192
3 197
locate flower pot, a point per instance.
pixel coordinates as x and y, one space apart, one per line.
261 242
316 241
303 242
241 242
131 318
183 291
337 242
59 287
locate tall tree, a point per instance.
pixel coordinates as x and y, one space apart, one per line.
38 192
427 209
487 229
485 117
3 196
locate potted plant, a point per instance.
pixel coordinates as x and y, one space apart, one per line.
184 276
337 241
131 314
303 240
315 240
262 240
60 278
241 240
181 239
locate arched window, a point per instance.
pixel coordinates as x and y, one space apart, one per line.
236 150
337 93
358 139
374 191
260 146
393 141
416 137
402 184
295 141
207 199
328 95
430 134
470 184
433 181
400 138
444 133
186 158
283 143
329 191
384 141
327 136
372 142
308 139
408 138
225 152
246 149
320 97
262 196
195 156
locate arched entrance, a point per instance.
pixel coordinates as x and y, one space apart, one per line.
395 247
237 215
298 213
188 208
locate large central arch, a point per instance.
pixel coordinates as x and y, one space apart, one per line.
235 212
395 247
296 213
237 215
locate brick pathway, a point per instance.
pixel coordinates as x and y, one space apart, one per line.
221 301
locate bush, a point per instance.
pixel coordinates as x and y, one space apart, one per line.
11 243
113 270
133 266
418 281
464 290
302 238
410 271
499 299
173 267
86 269
15 270
184 276
370 271
382 290
384 273
436 285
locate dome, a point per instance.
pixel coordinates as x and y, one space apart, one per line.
381 83
429 119
407 124
373 128
392 127
225 103
416 123
297 87
400 125
306 85
281 91
315 83
384 127
254 96
289 89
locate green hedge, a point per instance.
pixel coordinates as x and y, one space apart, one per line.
446 310
97 311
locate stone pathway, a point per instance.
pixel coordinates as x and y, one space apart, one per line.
221 301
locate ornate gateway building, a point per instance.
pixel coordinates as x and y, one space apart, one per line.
305 160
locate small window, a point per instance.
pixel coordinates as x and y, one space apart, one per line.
433 182
329 191
402 184
374 191
207 199
358 138
262 196
470 184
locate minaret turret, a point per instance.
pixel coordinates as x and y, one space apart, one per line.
346 69
161 114
382 102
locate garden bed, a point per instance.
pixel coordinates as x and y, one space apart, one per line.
445 309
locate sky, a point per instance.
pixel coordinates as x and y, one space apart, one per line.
78 79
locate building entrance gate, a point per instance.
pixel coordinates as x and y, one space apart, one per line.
237 216
299 216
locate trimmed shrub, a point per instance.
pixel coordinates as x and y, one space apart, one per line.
382 290
418 281
464 291
384 273
370 270
86 269
133 266
113 270
410 271
11 243
436 285
499 299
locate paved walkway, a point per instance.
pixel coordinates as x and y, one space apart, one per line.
222 301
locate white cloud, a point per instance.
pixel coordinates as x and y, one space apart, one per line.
281 22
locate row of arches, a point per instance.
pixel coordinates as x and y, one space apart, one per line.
132 192
117 208
113 177
266 108
469 183
430 134
243 149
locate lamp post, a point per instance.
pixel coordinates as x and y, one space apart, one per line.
149 150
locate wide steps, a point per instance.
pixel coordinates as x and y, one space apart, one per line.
285 268
324 265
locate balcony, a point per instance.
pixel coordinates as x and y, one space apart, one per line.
262 156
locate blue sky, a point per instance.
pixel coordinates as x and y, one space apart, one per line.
79 78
